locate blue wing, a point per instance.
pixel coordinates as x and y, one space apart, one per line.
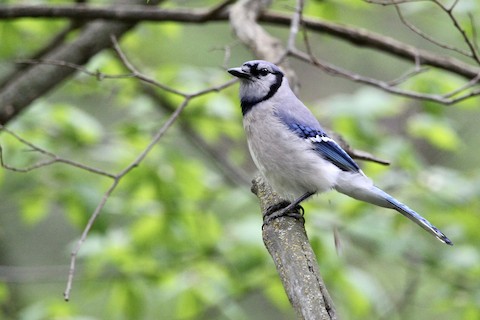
322 143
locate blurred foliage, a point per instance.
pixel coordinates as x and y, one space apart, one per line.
178 239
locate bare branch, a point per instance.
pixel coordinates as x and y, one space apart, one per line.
427 37
407 75
460 29
287 242
120 13
116 177
151 81
54 158
295 24
39 79
243 17
137 74
472 53
474 31
337 71
390 2
54 43
97 74
134 74
355 35
365 38
83 237
232 173
107 194
160 133
466 86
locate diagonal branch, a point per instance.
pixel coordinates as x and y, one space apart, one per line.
287 242
365 38
456 23
134 73
55 42
428 37
159 134
110 190
449 98
233 174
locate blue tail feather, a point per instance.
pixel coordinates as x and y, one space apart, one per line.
418 219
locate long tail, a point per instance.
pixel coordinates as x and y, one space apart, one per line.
415 217
360 187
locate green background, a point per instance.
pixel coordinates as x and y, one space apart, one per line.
180 238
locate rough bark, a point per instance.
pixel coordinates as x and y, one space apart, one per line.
287 243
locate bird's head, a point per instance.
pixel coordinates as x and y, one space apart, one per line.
259 81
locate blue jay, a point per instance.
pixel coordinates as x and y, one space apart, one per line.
293 152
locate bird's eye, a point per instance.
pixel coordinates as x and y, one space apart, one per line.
263 71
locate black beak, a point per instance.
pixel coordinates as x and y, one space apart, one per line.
239 73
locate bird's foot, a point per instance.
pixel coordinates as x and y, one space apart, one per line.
283 209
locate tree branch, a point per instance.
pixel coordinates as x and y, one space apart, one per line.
355 35
288 244
53 158
158 135
233 174
53 43
243 19
427 37
39 79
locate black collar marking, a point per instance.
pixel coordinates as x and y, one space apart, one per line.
248 104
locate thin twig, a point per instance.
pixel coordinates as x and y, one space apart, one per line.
54 158
107 194
456 23
97 74
118 177
233 174
428 37
411 73
391 2
295 24
337 71
408 75
83 237
446 99
466 86
54 43
474 31
138 74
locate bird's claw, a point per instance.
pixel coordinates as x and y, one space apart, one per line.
282 209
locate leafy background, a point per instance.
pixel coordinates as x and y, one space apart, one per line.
180 238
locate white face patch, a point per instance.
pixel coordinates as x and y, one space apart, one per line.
319 138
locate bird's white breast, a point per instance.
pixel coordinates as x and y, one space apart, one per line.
287 161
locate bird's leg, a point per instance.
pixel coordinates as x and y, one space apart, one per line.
284 208
276 207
